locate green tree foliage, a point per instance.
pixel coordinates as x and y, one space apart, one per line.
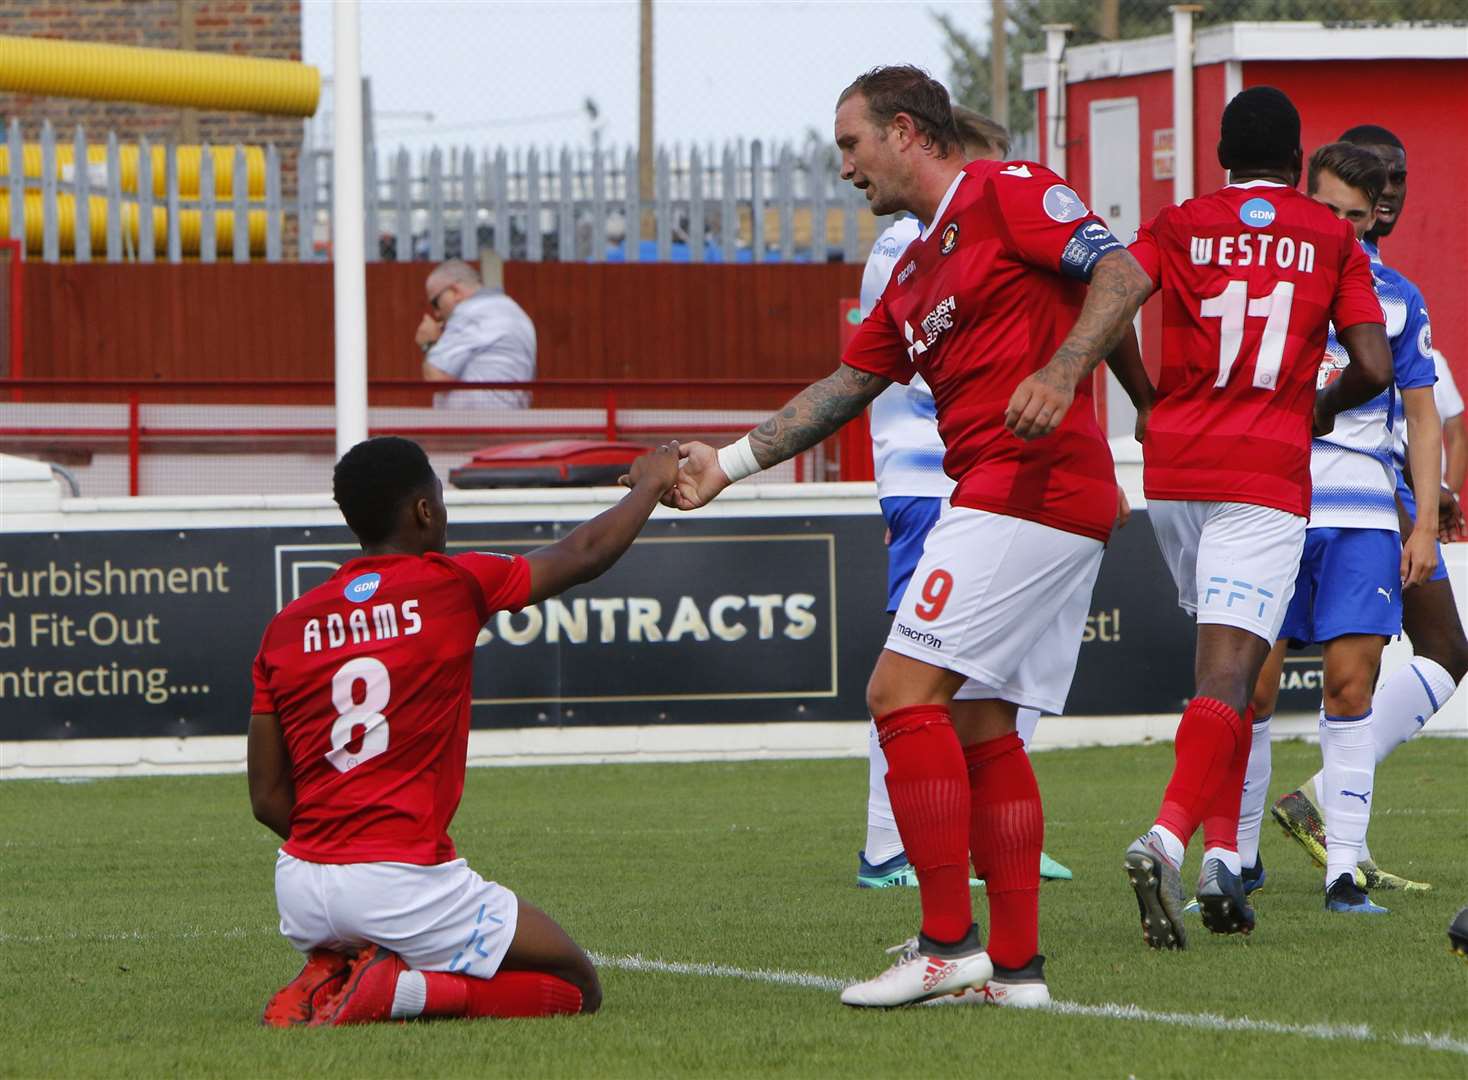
967 46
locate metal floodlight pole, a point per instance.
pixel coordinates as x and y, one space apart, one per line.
999 63
349 273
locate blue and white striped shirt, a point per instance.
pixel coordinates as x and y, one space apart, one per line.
1352 471
907 452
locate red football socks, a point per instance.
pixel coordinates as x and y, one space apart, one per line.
1006 833
508 994
1206 748
927 782
1221 819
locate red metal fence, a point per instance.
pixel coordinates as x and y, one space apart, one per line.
213 436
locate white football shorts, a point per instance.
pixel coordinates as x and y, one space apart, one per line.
437 918
1234 563
1003 601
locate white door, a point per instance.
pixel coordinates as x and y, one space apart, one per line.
1116 194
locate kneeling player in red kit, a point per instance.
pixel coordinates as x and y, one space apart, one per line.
358 738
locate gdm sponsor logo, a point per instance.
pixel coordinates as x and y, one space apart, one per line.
1258 213
361 587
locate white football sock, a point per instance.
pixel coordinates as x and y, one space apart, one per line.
1256 792
410 996
1025 722
1406 700
1172 846
1349 774
883 840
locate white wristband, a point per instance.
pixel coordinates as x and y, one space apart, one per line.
737 460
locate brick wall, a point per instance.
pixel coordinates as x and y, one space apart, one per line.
261 28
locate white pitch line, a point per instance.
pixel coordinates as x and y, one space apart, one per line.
807 980
1107 1011
631 962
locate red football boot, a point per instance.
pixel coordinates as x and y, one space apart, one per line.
296 1002
366 995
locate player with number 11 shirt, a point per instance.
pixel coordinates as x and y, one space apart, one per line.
1251 277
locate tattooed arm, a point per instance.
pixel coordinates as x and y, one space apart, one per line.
815 413
1118 287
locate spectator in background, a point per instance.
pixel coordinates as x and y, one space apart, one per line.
1455 445
474 334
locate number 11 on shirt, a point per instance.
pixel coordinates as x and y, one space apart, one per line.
1232 306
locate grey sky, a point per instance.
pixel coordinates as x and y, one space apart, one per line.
516 73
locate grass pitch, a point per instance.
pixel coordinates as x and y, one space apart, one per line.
137 934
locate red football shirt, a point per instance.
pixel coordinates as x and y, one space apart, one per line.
1251 277
976 304
369 674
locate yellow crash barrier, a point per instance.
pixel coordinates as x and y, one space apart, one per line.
195 80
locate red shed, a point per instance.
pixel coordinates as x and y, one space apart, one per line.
1105 119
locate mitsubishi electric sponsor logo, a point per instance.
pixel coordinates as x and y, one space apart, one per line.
939 319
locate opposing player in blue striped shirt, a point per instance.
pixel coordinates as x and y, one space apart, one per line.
1411 695
1356 564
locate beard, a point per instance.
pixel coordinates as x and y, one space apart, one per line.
882 204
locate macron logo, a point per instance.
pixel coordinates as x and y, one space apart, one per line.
1022 171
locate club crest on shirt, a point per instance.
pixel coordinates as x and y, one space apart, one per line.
950 238
360 588
1062 204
